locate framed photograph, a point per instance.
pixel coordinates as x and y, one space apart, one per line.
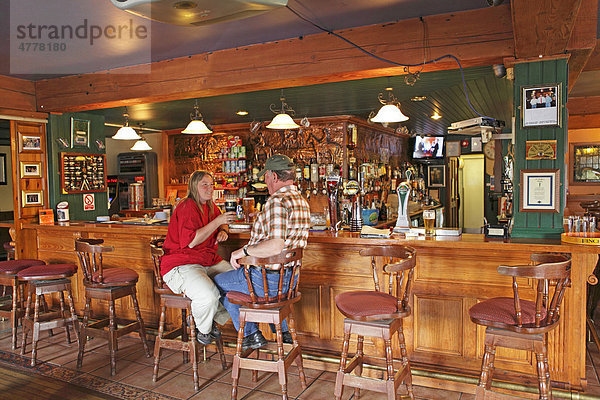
539 190
31 169
31 198
80 132
541 106
30 143
452 149
2 168
436 175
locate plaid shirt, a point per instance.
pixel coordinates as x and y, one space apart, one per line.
286 216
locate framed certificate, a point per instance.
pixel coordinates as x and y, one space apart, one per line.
539 190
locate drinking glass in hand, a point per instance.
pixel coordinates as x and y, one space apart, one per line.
429 220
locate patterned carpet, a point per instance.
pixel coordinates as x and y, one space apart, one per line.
104 388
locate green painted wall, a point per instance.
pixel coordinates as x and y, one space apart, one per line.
540 73
59 126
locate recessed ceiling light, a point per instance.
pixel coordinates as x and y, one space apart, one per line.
436 115
242 112
418 98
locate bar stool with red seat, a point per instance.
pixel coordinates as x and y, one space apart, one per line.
261 307
378 314
108 284
524 324
168 340
8 277
41 280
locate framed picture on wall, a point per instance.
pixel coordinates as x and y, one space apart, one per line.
31 169
540 190
80 133
2 168
436 175
31 198
540 106
30 143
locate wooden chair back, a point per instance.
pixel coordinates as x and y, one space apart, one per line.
401 261
89 253
551 273
157 252
287 260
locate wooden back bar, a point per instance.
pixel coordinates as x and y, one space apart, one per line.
452 274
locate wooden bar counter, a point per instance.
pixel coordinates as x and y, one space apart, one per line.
452 274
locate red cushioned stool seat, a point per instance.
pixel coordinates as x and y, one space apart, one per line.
11 267
116 276
502 309
366 303
51 271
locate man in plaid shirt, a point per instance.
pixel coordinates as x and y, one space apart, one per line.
283 223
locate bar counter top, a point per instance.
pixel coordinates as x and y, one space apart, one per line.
452 275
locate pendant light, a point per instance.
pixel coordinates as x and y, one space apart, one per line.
142 144
196 126
282 120
390 112
126 132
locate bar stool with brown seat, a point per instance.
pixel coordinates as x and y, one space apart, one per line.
41 280
10 246
261 307
8 278
378 314
169 340
108 284
524 324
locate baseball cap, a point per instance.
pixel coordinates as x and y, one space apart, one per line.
277 162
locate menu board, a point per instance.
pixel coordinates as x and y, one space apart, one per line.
82 172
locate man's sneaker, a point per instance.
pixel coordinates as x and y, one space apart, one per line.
215 333
204 338
287 338
255 340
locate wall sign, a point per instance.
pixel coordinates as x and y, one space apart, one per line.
82 173
540 190
540 150
89 202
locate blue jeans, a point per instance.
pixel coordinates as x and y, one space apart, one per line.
235 280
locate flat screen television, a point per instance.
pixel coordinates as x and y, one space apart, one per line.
428 147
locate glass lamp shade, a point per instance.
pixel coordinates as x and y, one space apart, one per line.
141 145
126 133
389 113
196 127
283 121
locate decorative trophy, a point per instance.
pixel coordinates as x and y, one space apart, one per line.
356 220
403 191
333 182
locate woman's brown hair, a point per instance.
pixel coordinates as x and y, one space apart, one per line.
192 193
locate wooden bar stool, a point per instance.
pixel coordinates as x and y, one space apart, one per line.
269 309
378 314
47 279
8 278
524 324
188 344
108 284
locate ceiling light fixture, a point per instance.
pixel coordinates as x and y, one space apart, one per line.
436 115
282 120
242 112
390 112
418 98
126 132
142 144
196 126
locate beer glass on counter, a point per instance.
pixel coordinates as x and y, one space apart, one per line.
429 220
248 204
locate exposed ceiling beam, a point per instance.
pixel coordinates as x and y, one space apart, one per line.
543 27
478 37
583 105
583 39
584 121
17 94
593 63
